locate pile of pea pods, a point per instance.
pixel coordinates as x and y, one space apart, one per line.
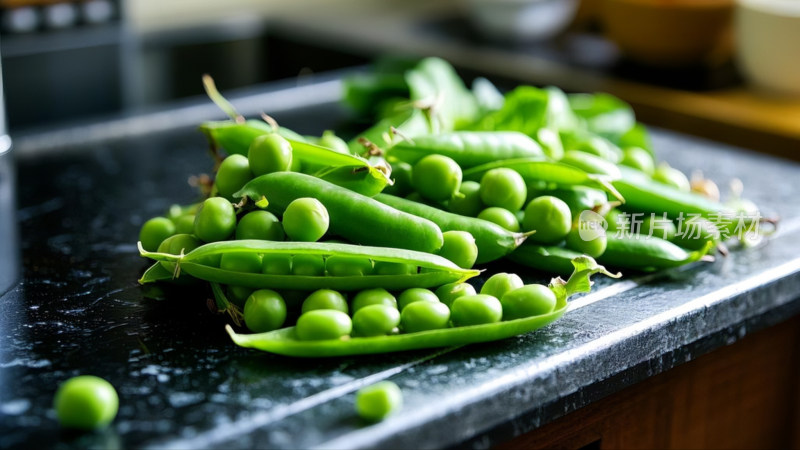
374 239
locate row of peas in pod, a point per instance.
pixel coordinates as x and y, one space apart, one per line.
327 314
447 178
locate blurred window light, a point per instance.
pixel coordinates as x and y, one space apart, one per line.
60 15
21 20
97 11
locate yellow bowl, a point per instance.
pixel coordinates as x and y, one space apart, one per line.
670 33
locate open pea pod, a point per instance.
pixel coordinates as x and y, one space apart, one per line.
236 136
433 270
156 272
409 122
345 170
536 169
285 342
350 171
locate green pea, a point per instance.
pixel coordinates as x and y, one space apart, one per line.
451 291
588 235
639 159
321 324
500 216
460 248
241 262
176 244
592 244
86 402
333 142
233 173
184 224
260 225
476 310
375 320
269 153
550 217
436 177
500 283
238 294
348 266
528 301
308 265
215 220
659 227
374 403
415 295
424 316
264 310
306 219
672 177
504 188
393 268
375 296
154 231
469 203
276 264
325 299
401 174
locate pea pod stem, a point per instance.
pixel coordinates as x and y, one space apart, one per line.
438 270
493 241
355 217
285 342
224 306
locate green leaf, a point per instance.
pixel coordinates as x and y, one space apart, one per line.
604 114
579 281
436 82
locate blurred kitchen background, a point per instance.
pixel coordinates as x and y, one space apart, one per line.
724 69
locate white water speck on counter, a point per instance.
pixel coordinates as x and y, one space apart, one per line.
15 407
25 362
437 369
181 399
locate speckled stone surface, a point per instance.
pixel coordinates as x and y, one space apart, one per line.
183 384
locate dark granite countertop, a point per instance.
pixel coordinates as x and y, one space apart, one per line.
182 384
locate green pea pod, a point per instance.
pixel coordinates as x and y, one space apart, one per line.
349 171
648 253
591 164
346 170
535 170
493 241
578 198
154 273
410 123
236 137
643 194
435 270
353 216
549 259
468 148
285 342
